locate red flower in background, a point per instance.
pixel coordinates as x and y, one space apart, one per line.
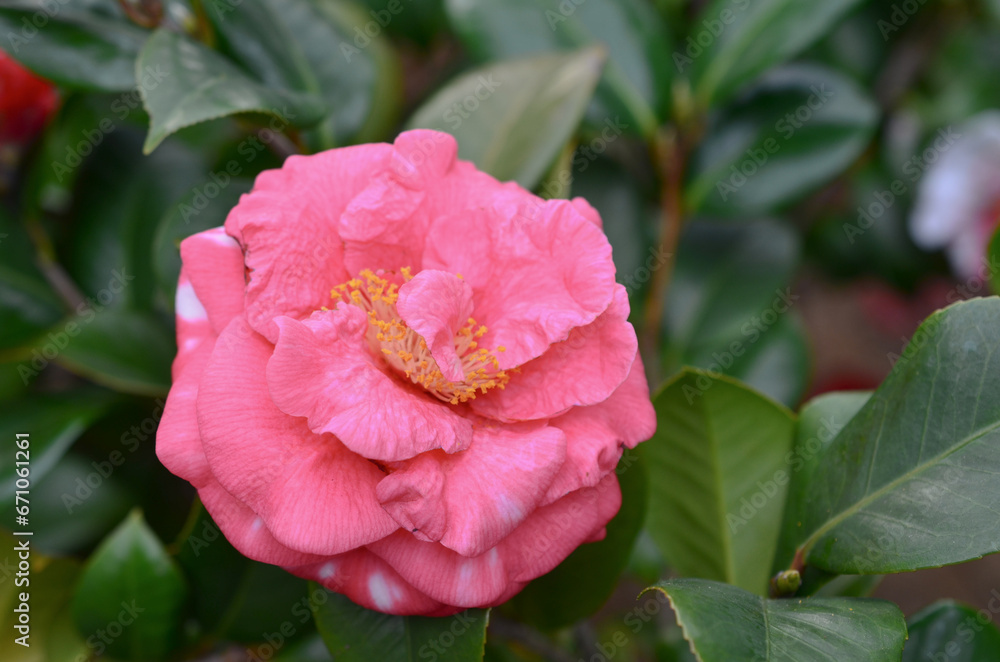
26 102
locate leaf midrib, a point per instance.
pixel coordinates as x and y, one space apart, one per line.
871 497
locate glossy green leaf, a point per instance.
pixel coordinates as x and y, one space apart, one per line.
88 45
234 597
513 118
800 126
820 421
124 350
993 259
909 482
724 623
53 423
28 304
193 213
746 38
720 460
310 47
635 87
131 581
730 309
356 634
953 632
121 194
583 582
192 84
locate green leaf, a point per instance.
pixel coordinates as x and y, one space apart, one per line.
124 350
952 632
193 213
356 634
909 481
82 45
120 196
190 83
585 580
993 259
730 309
719 457
132 582
820 421
310 47
800 126
28 304
748 38
636 83
723 623
236 598
513 118
53 422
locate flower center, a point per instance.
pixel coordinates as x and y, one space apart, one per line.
406 352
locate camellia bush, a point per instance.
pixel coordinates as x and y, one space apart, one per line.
467 330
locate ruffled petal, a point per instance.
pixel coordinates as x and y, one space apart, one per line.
322 369
287 226
436 304
596 435
269 460
372 583
537 270
245 530
532 549
471 500
582 370
213 262
178 439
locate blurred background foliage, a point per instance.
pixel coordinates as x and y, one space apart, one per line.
733 148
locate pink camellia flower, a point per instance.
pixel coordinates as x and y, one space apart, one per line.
402 379
958 203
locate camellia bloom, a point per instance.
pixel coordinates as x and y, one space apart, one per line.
958 203
26 102
402 379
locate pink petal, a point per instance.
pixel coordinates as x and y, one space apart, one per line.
245 530
385 226
178 440
532 549
193 327
213 262
372 583
471 500
287 227
587 211
582 370
536 270
436 305
323 369
313 494
596 435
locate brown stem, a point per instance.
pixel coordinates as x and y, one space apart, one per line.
670 162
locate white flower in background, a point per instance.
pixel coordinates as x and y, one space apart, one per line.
958 202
